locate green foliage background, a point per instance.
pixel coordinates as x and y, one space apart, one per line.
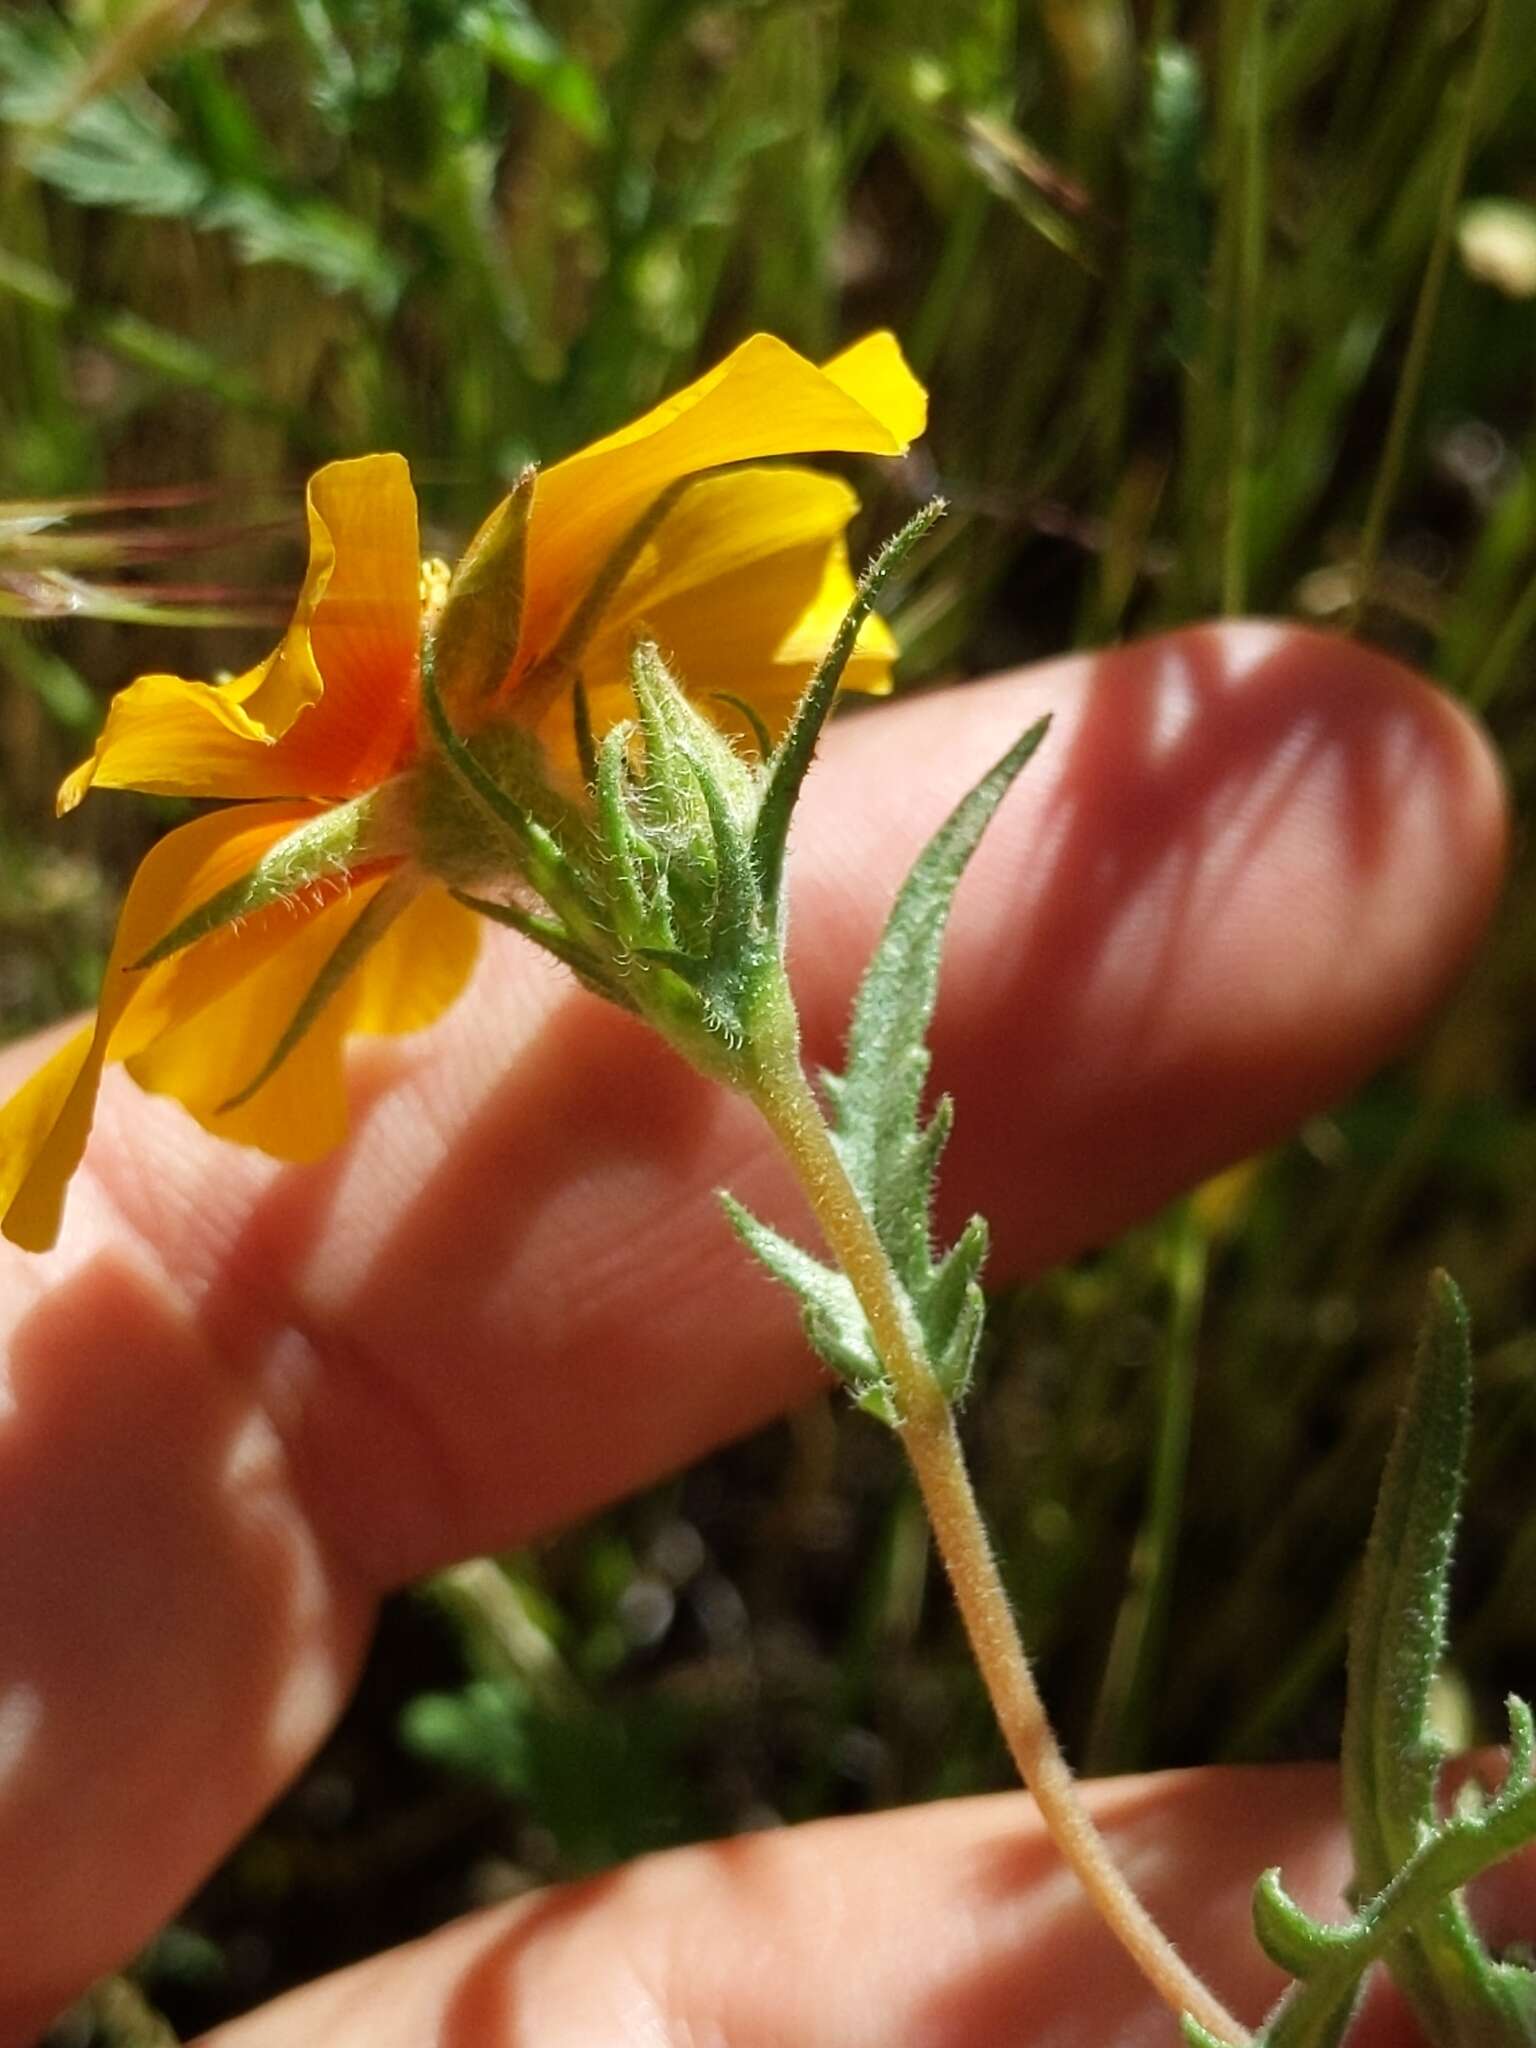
1160 264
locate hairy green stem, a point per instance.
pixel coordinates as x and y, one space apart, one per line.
927 1430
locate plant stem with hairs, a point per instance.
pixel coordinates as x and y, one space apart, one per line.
926 1426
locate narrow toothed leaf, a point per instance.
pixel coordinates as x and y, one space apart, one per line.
1392 1756
476 634
891 1155
788 764
1397 1639
887 1055
1398 1636
325 849
359 940
834 1322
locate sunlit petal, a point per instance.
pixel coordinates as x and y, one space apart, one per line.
763 400
743 589
362 602
874 373
180 738
43 1129
331 710
41 1140
300 1112
726 523
419 967
213 1053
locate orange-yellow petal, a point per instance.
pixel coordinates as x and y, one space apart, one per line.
214 1051
364 623
726 523
874 372
743 588
38 1151
43 1129
763 400
179 738
410 977
419 967
332 709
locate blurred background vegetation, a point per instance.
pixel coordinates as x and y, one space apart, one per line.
1224 304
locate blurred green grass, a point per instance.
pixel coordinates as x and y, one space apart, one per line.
1164 268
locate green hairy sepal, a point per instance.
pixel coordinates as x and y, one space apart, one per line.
890 1153
660 883
476 635
1410 1862
323 855
320 853
661 886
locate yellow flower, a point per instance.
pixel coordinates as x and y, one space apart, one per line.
243 1017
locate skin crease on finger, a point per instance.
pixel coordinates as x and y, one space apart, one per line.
241 1399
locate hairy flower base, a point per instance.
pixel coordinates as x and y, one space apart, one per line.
254 940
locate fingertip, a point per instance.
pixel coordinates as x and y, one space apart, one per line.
946 1924
1411 826
1244 868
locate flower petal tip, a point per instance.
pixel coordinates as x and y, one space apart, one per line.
876 373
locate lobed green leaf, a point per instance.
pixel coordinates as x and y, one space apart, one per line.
1410 1863
834 1321
890 1154
1397 1638
1391 1755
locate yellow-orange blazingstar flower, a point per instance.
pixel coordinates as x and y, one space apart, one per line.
742 583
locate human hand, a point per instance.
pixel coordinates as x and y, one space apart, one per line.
246 1400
